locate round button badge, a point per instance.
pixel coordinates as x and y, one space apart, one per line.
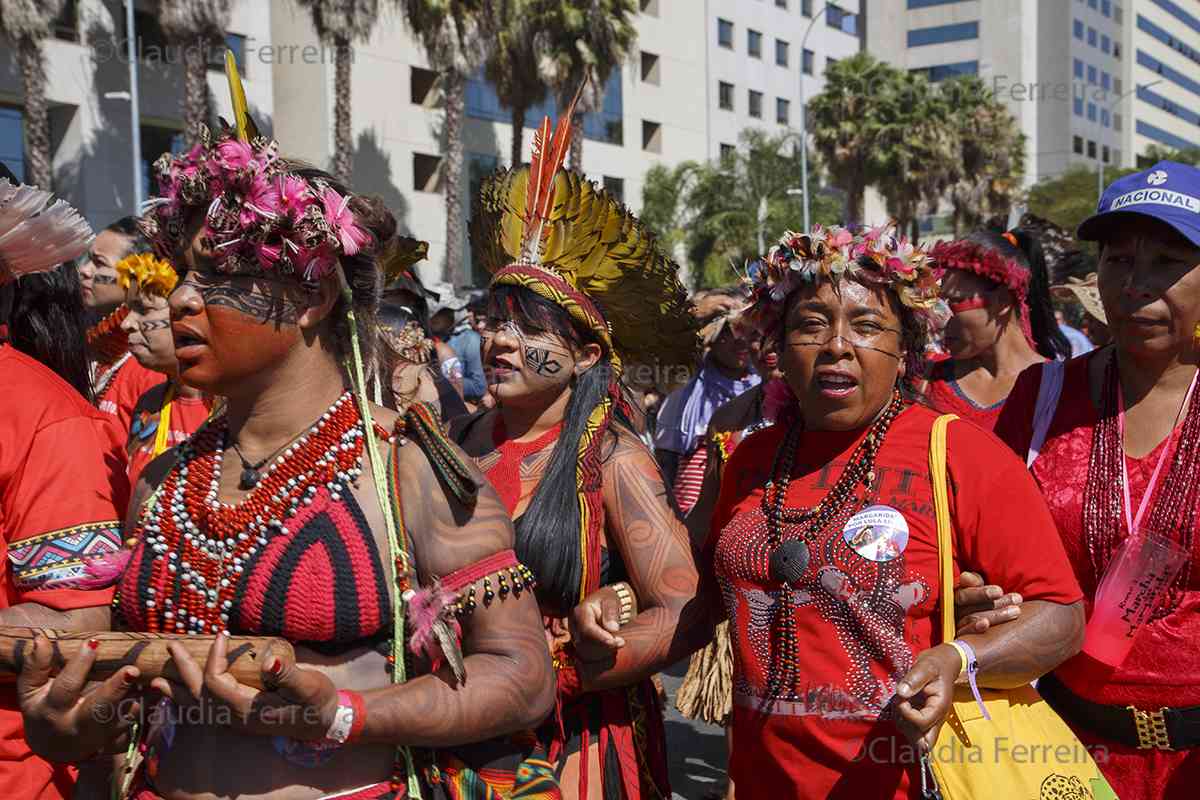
877 533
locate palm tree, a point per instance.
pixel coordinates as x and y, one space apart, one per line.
27 23
919 151
457 36
341 23
991 158
194 26
586 40
514 67
846 126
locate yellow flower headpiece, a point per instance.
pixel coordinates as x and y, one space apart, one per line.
152 275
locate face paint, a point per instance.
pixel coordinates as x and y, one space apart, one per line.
148 326
101 278
968 304
541 361
278 309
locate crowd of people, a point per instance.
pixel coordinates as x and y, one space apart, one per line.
483 523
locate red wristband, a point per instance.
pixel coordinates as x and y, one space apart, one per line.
356 702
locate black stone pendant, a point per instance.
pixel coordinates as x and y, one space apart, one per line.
250 478
789 561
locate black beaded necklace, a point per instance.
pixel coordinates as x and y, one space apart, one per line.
789 559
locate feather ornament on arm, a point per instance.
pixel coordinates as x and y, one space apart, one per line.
36 234
548 155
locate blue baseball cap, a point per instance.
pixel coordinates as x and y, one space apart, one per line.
1168 191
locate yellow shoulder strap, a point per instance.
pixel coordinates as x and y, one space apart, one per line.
941 507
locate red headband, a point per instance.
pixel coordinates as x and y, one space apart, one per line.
984 262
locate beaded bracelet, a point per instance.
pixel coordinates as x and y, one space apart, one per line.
510 576
625 598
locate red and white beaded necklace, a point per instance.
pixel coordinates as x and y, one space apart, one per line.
204 544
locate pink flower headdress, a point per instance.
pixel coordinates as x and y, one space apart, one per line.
873 256
258 216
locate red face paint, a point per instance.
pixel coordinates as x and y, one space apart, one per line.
236 347
969 304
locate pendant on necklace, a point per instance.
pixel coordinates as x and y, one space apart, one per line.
788 561
249 480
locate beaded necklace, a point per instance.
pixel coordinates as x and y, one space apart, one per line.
789 559
1174 507
200 545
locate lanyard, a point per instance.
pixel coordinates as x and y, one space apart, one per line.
1133 523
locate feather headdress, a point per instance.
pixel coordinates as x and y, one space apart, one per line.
542 220
554 233
37 233
151 274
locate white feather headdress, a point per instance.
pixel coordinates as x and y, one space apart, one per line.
36 234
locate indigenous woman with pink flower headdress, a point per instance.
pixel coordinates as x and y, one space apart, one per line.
998 289
823 552
305 513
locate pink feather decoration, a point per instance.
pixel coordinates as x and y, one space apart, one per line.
103 571
425 608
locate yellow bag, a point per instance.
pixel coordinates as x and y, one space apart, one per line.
1026 752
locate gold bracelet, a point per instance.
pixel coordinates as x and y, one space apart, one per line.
625 597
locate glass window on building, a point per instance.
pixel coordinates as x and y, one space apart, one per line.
608 123
806 61
841 20
1078 103
237 44
480 166
1106 7
781 52
1117 50
806 7
781 4
753 43
1105 81
1104 117
756 99
1117 122
1105 43
66 24
1078 27
1117 85
1091 75
615 188
12 141
1105 153
156 141
1093 4
1077 141
725 95
725 33
1078 68
1092 36
1091 115
939 34
1091 149
727 151
783 109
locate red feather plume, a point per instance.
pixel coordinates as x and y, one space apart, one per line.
548 155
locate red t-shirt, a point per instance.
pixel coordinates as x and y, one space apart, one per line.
127 386
187 415
62 488
866 604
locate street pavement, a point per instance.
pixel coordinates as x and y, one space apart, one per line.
695 750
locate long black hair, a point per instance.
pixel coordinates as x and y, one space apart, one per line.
1028 255
48 323
549 530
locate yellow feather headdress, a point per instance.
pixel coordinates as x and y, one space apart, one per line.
546 217
151 274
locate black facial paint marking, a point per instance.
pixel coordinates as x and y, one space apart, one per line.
542 361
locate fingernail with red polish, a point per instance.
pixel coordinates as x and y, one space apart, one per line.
93 643
276 667
127 679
